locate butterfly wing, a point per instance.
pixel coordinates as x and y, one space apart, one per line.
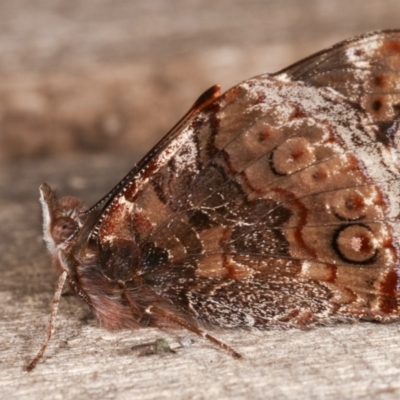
275 204
365 70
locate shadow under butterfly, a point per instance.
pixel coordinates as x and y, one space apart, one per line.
274 205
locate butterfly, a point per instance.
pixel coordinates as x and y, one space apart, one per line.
273 205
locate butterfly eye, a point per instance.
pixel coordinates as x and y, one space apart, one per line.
63 228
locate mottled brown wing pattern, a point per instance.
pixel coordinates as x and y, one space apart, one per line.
276 204
366 71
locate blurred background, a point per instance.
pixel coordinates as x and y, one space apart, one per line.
100 76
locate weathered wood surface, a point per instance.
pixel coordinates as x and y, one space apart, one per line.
84 77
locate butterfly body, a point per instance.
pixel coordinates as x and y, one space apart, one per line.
275 204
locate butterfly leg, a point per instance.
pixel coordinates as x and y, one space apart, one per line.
184 324
52 322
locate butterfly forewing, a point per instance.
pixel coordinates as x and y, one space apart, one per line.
365 70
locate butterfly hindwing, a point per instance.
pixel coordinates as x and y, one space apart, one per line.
268 190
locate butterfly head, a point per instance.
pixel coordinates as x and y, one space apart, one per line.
62 218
